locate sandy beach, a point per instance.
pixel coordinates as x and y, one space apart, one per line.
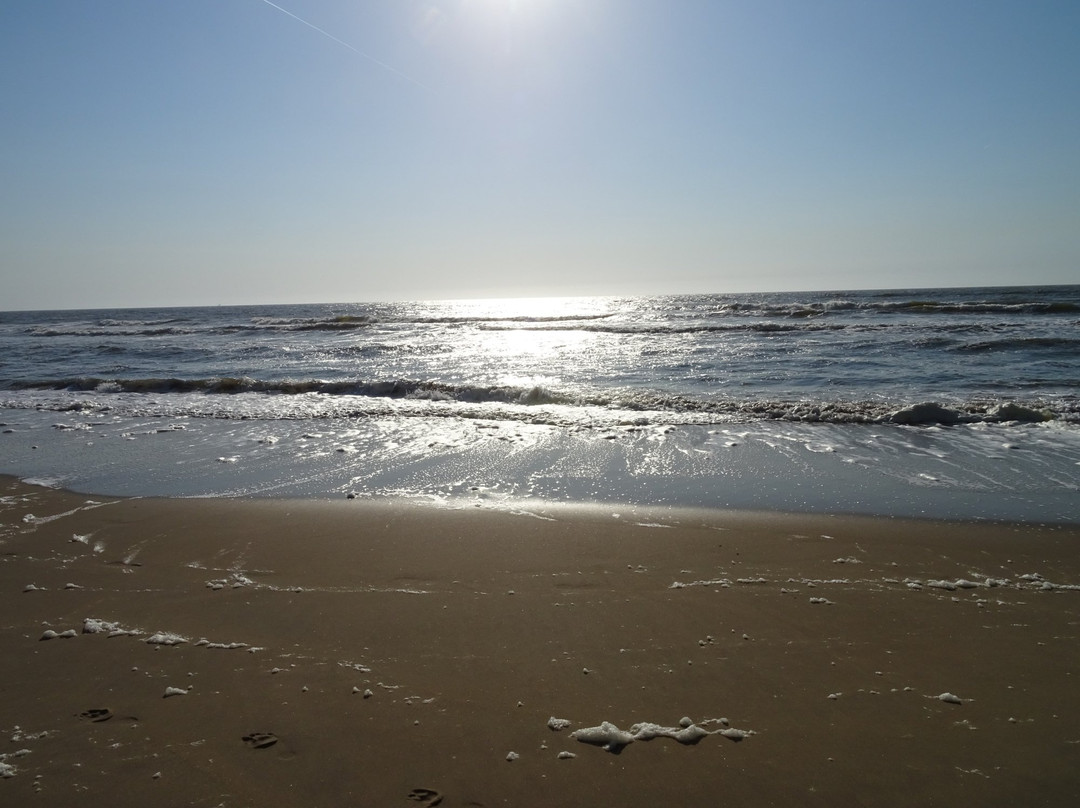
524 403
243 652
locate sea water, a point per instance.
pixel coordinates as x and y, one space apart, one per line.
956 403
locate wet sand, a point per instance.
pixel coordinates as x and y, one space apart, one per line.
374 653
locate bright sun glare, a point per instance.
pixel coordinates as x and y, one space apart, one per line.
532 308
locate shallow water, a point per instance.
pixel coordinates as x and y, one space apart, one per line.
979 471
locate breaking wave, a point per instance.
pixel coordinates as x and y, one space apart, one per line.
654 406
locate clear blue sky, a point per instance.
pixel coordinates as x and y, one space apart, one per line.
182 152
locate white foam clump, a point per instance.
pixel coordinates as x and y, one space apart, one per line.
735 734
824 601
960 583
948 586
235 580
1044 585
95 625
165 638
19 735
606 735
228 646
44 482
356 666
49 634
949 698
813 582
612 739
721 582
558 724
687 735
175 691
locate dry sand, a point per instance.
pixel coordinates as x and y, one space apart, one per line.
396 655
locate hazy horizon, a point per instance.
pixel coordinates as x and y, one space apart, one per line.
532 300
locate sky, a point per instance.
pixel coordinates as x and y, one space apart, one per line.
203 152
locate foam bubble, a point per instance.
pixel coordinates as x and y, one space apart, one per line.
165 638
607 735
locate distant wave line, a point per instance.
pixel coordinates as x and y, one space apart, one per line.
339 322
821 309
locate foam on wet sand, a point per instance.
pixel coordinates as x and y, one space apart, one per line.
362 652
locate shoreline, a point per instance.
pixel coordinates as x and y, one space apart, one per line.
575 510
373 652
1016 474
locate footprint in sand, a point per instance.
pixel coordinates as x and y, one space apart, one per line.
425 796
260 740
97 714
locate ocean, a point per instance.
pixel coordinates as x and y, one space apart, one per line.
945 403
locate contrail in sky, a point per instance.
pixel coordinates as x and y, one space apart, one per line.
355 50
